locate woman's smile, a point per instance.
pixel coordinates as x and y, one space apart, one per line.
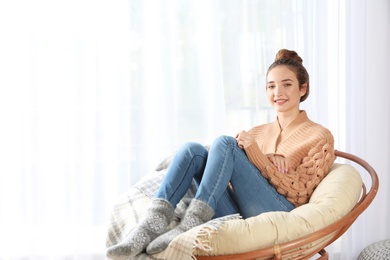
280 101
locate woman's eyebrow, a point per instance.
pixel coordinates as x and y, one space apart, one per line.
284 80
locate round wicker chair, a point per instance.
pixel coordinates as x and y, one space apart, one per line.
334 231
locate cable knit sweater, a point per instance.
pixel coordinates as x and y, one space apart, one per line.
308 147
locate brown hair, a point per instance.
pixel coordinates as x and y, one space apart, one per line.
292 60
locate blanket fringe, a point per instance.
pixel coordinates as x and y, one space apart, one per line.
201 240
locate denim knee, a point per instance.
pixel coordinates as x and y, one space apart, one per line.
194 149
225 140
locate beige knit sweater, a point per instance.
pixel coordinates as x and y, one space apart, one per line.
308 147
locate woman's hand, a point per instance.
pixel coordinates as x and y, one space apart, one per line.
244 139
279 161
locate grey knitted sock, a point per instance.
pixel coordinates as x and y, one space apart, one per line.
155 222
198 212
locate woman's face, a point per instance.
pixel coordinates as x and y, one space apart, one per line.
283 90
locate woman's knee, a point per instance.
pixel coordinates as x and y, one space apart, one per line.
194 149
225 140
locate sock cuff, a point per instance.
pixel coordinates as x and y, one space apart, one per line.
201 209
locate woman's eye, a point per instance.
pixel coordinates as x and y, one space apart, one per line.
271 86
287 85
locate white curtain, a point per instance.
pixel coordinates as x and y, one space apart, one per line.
65 125
368 112
94 93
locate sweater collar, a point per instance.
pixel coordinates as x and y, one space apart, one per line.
291 127
277 136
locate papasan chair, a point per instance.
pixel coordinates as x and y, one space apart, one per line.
300 234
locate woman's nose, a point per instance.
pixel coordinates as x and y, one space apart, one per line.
278 92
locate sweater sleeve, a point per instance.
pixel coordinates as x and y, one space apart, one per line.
299 183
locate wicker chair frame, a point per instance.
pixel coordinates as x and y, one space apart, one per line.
334 231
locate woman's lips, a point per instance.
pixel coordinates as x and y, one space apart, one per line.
280 101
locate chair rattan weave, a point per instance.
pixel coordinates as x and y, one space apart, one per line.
291 249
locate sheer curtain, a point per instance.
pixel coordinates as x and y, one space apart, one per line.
65 125
94 93
368 112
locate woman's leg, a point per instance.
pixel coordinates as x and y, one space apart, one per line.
226 205
187 165
212 180
221 164
211 188
252 192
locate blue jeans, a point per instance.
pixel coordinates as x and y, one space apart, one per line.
212 171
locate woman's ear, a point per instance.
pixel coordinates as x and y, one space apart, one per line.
303 89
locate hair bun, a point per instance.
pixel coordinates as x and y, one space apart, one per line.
285 54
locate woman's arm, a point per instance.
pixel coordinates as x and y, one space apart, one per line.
299 183
256 156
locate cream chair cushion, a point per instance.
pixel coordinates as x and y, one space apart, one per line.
334 197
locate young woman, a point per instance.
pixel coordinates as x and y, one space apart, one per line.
272 167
